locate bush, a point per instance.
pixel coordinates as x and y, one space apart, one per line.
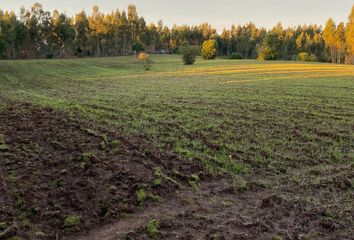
209 49
267 53
137 48
305 57
189 53
182 47
2 50
236 56
79 52
145 59
49 56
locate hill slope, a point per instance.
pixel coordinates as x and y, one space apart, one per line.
265 145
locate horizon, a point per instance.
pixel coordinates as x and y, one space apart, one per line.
289 13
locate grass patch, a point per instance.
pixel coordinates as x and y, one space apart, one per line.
233 116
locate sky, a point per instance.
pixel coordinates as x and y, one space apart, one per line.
219 13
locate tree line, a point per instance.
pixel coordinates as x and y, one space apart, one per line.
37 33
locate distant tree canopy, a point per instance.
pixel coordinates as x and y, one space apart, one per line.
36 33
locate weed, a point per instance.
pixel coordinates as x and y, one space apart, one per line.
141 195
239 183
157 182
194 181
90 132
102 145
103 210
116 143
277 238
158 173
227 203
58 183
3 147
105 139
152 228
72 221
58 144
112 189
87 157
3 226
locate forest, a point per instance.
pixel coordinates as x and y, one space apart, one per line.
37 33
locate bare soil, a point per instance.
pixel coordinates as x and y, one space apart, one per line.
56 165
220 210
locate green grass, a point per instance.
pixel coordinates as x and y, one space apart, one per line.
234 116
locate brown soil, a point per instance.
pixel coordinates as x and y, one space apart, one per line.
258 210
57 166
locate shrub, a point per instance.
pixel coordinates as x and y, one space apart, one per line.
79 52
305 57
236 55
267 53
145 59
137 48
182 47
49 56
209 49
2 50
189 53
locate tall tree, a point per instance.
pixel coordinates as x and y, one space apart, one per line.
81 27
329 37
40 29
300 42
96 23
10 28
340 42
63 33
2 34
271 47
350 37
133 20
